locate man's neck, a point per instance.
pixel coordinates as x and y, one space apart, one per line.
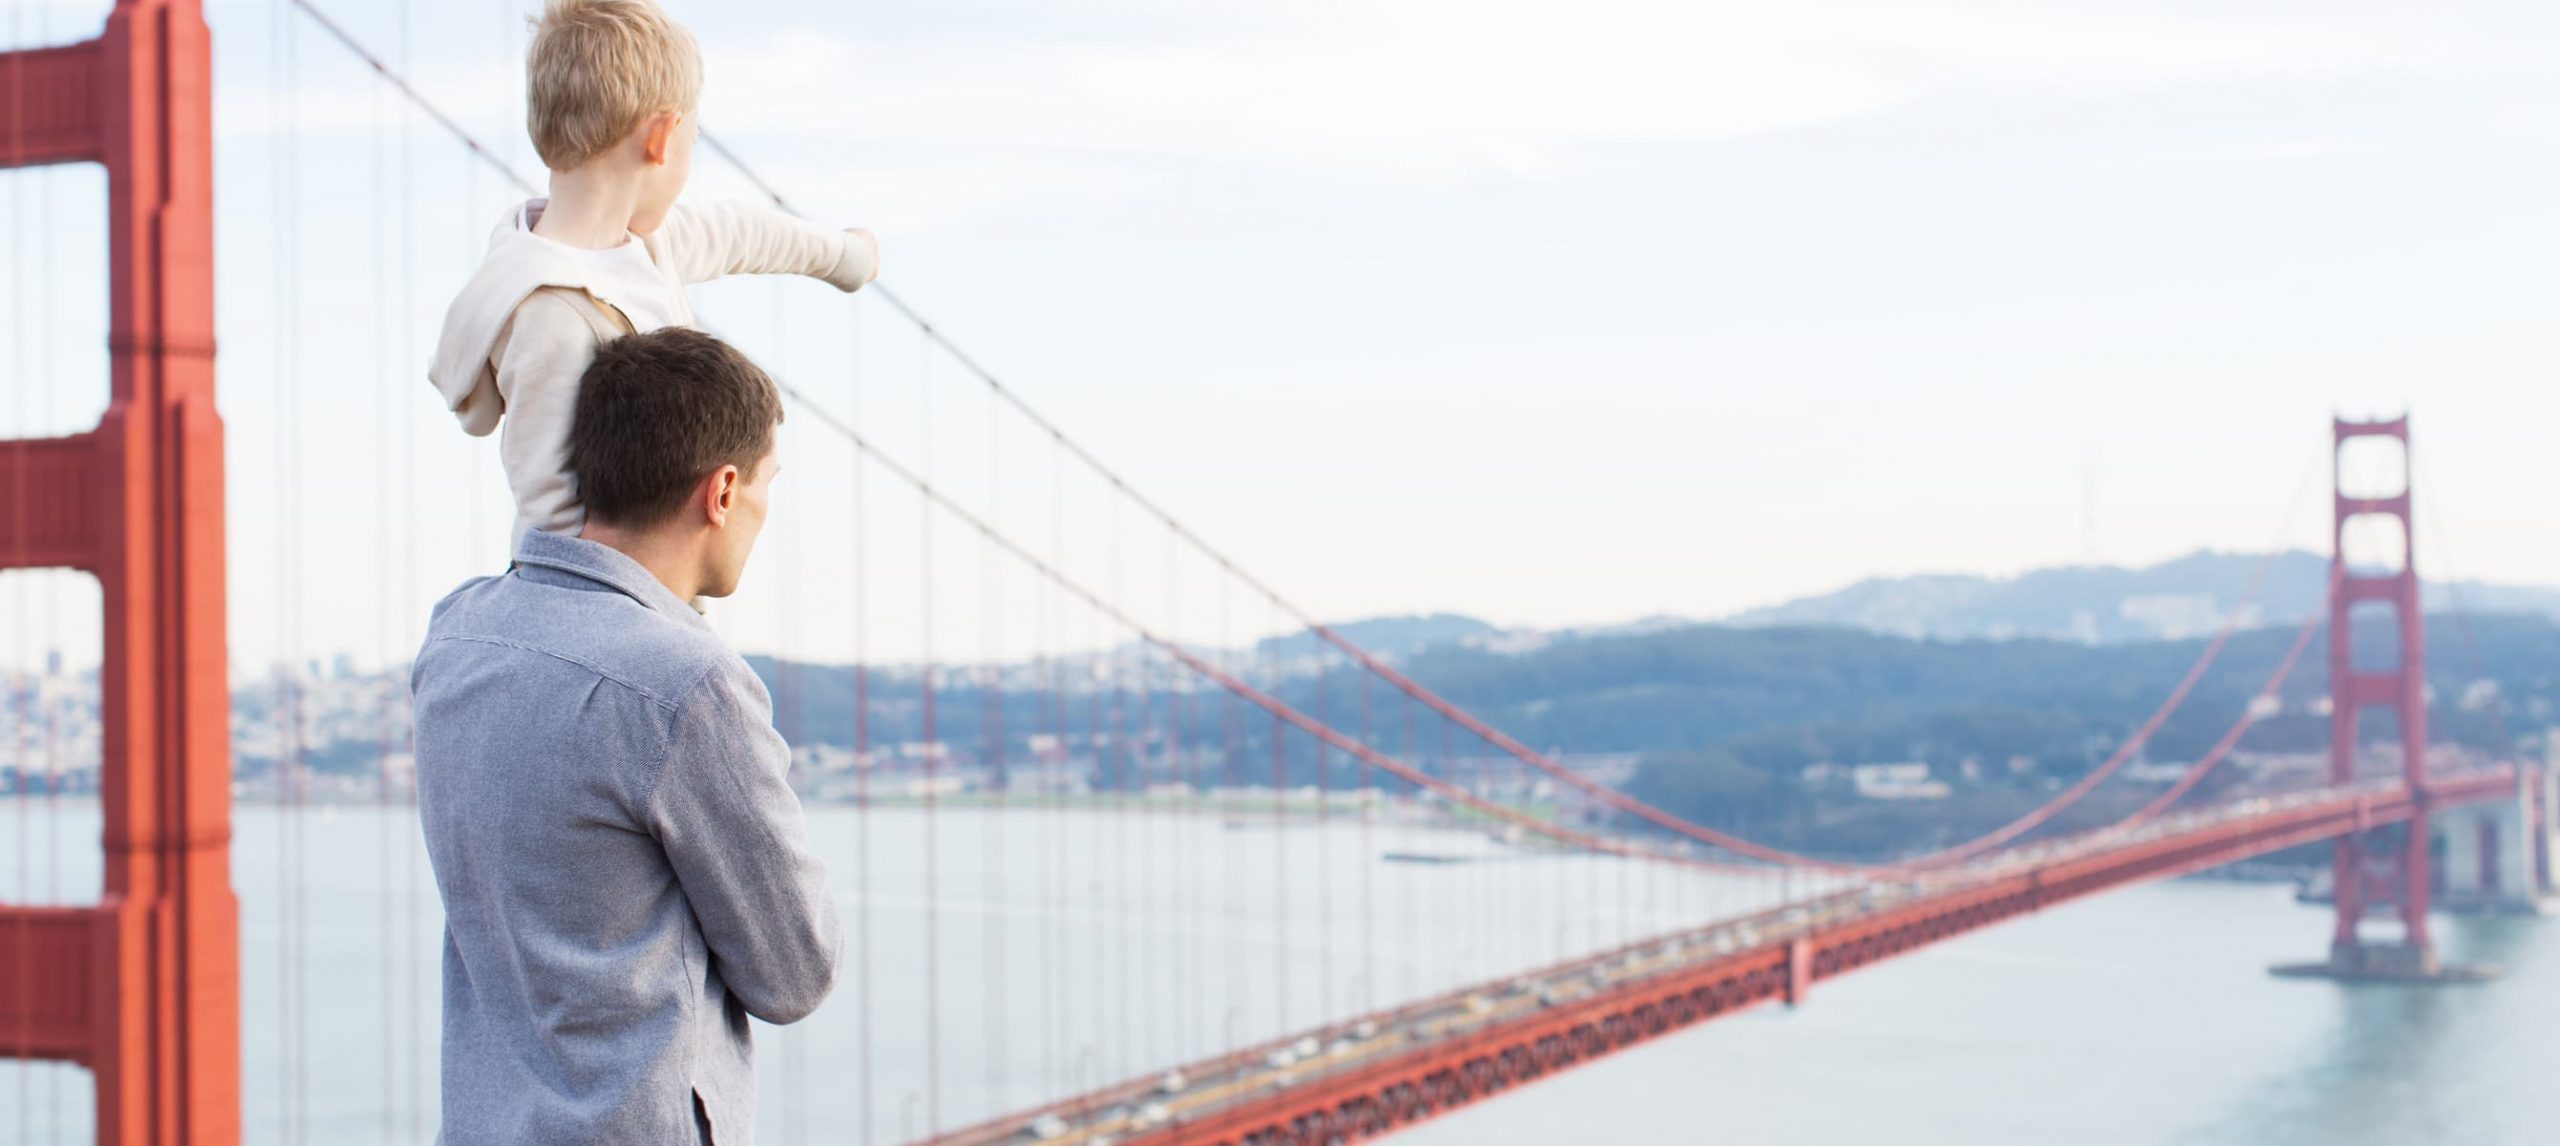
675 561
590 207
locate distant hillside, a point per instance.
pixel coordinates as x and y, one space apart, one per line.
2185 597
1387 636
1722 723
1777 697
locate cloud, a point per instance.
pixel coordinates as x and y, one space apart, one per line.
1425 87
999 107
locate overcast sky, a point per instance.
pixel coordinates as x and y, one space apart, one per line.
1553 314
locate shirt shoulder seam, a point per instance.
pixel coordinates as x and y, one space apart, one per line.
600 671
666 749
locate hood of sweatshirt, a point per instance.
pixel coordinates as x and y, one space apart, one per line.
518 263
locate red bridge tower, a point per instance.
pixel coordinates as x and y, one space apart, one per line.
2369 868
142 988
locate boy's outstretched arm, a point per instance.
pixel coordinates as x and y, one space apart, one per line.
717 239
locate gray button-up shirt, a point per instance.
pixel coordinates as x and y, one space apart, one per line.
626 874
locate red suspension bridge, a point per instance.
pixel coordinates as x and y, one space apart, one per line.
1093 712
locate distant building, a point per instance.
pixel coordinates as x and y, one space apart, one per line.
2478 696
825 758
917 787
2173 616
2156 771
1047 782
1905 780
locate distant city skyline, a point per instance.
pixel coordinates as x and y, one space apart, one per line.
1667 309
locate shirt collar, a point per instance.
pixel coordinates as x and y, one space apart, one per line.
606 566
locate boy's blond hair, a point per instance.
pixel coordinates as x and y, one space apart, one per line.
599 68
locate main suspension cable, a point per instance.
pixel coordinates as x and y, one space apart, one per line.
1591 789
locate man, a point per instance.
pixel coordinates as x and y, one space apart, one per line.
626 875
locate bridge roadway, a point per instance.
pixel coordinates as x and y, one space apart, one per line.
1368 1076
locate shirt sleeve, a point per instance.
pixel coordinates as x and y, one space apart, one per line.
730 824
717 239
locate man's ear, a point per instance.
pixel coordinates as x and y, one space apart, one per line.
660 137
722 494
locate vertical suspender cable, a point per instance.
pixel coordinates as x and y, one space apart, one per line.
932 753
412 983
50 699
1121 766
1412 916
47 672
791 722
287 722
1591 913
276 717
1189 867
1449 761
1231 775
1181 866
1145 952
19 688
1062 963
862 761
2499 702
49 682
384 696
1561 865
1280 929
1324 859
1369 797
1105 776
1625 907
994 823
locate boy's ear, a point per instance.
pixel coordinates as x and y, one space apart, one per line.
658 137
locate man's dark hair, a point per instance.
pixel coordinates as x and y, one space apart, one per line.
657 413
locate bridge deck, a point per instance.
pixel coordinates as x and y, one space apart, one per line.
1369 1076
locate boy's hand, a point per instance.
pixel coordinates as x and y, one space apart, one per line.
860 262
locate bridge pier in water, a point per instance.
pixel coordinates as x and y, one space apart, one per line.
2497 857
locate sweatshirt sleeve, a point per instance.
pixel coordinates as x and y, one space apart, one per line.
717 239
542 354
734 831
475 403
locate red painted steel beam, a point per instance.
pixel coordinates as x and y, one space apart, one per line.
49 991
50 106
49 503
1405 1088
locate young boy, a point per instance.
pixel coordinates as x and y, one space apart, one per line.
611 92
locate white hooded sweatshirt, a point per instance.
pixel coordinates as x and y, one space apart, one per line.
521 333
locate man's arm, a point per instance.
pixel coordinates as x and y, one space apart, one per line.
733 828
716 239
